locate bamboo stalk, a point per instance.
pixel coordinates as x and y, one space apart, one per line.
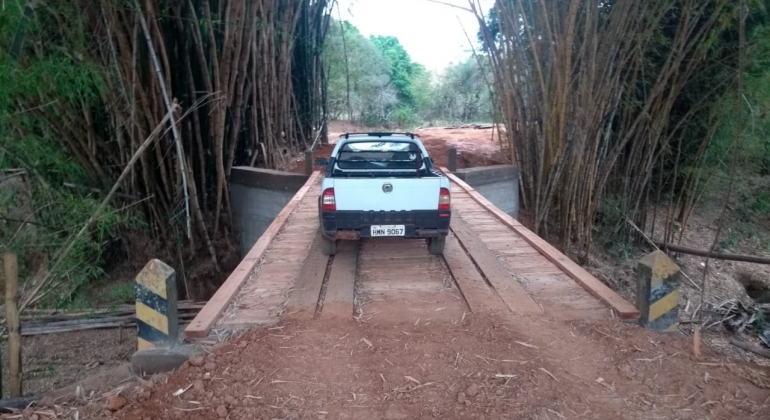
117 320
84 319
13 405
169 110
13 323
43 315
751 347
87 327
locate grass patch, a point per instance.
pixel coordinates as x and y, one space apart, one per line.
120 293
761 203
731 242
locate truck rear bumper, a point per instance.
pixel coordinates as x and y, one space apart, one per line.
357 224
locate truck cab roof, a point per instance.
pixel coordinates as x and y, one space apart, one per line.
380 134
378 140
380 154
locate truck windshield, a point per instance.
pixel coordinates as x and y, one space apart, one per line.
374 155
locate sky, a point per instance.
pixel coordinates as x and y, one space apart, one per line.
431 33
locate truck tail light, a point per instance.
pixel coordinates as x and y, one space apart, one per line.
328 203
444 201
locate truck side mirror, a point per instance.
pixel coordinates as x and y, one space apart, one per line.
321 162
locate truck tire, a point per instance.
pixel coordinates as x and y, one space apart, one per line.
436 246
329 247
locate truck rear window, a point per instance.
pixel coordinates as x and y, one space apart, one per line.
378 155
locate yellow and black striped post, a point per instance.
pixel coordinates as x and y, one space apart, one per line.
657 292
157 320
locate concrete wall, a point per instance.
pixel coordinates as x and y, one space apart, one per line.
498 184
257 196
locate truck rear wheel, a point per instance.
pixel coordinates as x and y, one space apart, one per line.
329 247
436 246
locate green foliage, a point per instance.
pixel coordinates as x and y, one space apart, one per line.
754 126
357 71
760 321
461 94
610 218
493 25
46 221
52 76
761 203
120 293
55 82
752 196
401 66
422 89
403 116
730 242
755 133
386 87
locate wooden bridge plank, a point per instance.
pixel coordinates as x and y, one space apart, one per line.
479 297
340 289
208 316
512 293
595 287
304 295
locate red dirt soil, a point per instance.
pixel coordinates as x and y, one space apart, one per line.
474 147
482 367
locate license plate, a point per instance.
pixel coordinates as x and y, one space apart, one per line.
388 230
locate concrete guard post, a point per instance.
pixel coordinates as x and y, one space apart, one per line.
308 163
452 159
657 292
157 320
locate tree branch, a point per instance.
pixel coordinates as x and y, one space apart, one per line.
451 5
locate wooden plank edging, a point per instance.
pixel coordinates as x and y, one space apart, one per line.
507 288
479 297
596 288
303 297
208 316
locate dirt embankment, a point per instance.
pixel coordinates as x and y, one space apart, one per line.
474 147
744 232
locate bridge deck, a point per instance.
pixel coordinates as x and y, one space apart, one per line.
491 263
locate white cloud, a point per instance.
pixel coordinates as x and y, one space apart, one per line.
431 33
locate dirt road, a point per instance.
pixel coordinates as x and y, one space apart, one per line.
413 349
480 367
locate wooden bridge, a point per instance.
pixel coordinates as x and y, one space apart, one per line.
491 263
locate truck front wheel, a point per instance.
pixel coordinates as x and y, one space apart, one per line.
329 247
436 245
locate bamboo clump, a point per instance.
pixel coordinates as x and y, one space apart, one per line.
587 114
189 89
247 76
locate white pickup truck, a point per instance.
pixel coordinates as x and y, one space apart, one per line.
383 185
